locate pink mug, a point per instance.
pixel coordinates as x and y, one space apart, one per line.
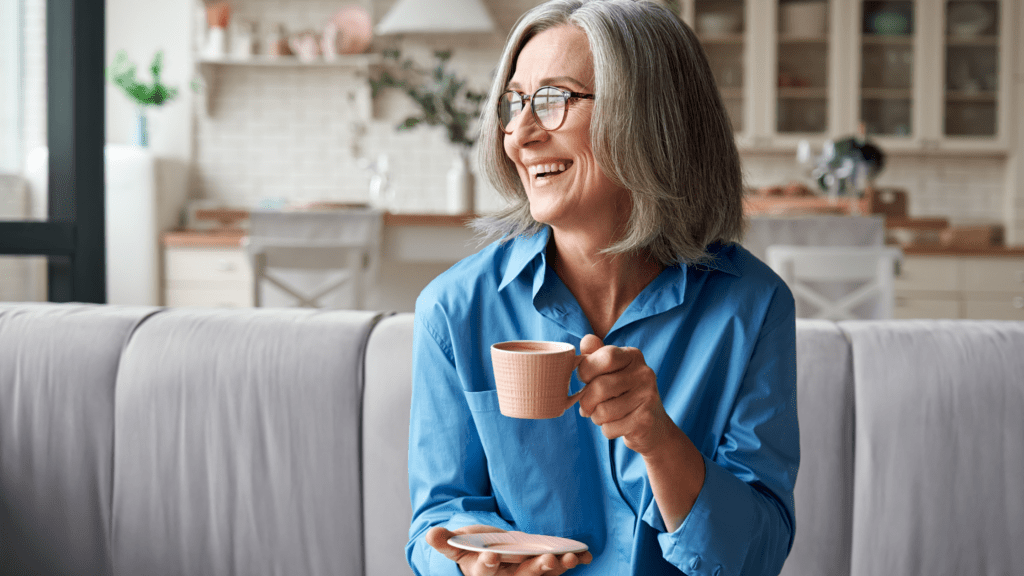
532 377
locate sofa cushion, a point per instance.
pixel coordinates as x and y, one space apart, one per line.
939 482
386 402
58 366
824 486
237 444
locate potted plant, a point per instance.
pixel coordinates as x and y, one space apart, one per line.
122 74
442 99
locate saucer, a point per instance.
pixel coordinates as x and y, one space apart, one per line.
516 544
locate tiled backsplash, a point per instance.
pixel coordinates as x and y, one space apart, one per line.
961 189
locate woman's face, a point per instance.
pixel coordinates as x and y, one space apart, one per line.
563 182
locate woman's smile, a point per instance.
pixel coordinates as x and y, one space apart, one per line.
542 174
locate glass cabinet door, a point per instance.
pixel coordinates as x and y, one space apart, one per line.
972 80
720 25
887 66
802 75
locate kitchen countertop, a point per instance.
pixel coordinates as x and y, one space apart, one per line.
235 237
939 250
232 238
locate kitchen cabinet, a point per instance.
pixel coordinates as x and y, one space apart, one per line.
923 76
977 287
202 276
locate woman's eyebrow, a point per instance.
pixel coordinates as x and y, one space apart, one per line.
552 81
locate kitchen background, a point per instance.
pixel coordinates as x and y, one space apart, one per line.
254 135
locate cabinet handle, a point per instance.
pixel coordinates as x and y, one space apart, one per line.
1018 302
225 266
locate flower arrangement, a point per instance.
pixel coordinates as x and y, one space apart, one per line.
122 74
442 96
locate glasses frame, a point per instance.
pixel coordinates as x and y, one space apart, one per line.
568 94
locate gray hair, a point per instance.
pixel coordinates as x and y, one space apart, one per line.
659 129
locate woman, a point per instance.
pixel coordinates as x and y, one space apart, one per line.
610 141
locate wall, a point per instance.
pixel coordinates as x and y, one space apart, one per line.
142 29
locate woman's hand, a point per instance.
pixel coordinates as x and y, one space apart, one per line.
490 564
622 396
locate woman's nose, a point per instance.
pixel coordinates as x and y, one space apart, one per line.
526 129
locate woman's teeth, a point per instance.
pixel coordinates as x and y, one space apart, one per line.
542 170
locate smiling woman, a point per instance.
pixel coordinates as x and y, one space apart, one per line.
605 132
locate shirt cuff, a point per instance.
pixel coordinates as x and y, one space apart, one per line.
713 538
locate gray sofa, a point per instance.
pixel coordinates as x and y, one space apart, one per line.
190 442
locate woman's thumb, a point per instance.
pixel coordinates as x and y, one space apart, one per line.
590 344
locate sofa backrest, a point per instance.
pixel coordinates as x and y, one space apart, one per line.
939 479
824 484
174 441
58 366
386 396
237 445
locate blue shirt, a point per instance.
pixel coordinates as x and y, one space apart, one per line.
722 340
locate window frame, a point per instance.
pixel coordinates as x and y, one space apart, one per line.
73 238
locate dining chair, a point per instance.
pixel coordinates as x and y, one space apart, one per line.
838 282
314 259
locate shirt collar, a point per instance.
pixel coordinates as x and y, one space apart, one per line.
721 259
523 251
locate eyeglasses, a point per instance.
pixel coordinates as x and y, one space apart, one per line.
548 104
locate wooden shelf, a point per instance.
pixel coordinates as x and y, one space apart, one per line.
803 40
886 94
888 40
803 93
978 97
954 40
722 40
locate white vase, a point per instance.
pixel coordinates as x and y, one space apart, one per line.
460 185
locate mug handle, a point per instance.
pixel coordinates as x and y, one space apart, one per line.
570 400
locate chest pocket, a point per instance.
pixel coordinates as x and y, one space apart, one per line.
543 473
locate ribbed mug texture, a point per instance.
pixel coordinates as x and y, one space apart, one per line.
532 377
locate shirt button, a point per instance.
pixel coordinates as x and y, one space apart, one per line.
695 563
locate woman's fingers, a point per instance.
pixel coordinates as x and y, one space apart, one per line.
438 537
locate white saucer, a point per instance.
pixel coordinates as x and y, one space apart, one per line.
516 544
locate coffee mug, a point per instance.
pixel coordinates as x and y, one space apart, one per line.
532 377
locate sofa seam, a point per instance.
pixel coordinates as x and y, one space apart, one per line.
113 426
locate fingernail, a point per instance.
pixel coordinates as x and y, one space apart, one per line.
495 564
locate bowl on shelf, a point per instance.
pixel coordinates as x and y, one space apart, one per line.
889 23
803 19
968 19
718 23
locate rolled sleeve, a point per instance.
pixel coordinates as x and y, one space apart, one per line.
743 519
721 530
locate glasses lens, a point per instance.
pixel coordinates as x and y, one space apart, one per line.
509 106
549 105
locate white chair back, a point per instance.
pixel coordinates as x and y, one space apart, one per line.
325 259
838 282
